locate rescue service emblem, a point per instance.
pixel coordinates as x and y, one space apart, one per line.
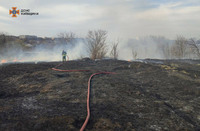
14 12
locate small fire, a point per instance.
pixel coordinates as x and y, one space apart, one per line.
129 60
3 61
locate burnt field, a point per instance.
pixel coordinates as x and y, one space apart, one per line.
148 95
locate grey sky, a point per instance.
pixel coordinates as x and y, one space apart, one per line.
121 18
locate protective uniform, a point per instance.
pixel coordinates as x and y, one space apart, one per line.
64 54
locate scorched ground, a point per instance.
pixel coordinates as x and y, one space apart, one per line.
146 95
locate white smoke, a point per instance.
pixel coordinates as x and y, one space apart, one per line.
43 52
146 47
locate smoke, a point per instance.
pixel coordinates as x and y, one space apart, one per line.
154 47
44 53
15 52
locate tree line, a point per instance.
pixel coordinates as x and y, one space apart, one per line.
97 45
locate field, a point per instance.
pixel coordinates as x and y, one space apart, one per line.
142 95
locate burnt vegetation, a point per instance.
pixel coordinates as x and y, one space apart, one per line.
149 95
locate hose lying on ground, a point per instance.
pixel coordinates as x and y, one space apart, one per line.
88 94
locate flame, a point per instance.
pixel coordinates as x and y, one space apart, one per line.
129 60
3 61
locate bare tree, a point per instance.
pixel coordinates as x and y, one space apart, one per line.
2 39
179 48
134 54
166 50
163 45
67 36
96 43
194 46
114 51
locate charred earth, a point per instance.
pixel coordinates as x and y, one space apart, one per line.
143 95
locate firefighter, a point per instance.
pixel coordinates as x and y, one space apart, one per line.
64 54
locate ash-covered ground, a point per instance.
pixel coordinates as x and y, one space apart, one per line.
146 95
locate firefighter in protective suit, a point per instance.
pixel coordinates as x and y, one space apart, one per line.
64 54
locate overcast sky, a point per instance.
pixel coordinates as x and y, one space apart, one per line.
121 18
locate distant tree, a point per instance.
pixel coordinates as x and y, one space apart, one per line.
2 39
67 36
163 45
166 50
114 51
194 46
180 47
96 44
134 54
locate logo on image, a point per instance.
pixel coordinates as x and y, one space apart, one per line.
14 12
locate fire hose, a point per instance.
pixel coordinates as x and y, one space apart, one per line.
89 85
